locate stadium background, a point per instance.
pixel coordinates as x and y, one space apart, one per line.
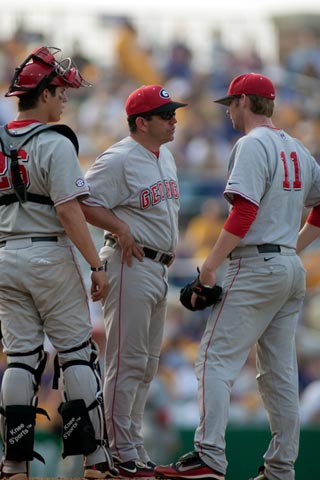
194 52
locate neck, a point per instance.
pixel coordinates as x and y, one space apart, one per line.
258 121
33 114
149 144
36 118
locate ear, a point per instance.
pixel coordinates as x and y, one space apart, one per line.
45 94
245 100
141 123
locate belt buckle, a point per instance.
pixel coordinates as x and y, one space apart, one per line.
159 257
166 258
110 241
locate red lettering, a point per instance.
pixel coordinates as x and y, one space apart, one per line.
161 190
145 199
5 180
297 177
155 194
174 189
168 189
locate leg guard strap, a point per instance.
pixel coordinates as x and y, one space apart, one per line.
56 376
39 368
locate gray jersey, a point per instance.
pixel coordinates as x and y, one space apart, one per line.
140 189
50 167
270 168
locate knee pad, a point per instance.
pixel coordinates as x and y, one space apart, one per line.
20 422
18 432
77 430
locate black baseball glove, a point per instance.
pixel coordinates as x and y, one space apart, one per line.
206 296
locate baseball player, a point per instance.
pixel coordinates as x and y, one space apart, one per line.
41 287
271 177
135 199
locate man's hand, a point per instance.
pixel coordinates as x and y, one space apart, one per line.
196 296
206 277
99 285
129 248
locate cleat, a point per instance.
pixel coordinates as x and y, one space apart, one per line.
135 469
261 475
189 466
100 471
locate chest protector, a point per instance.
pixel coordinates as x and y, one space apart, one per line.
10 144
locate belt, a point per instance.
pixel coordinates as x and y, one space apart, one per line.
155 255
44 239
36 239
251 250
269 248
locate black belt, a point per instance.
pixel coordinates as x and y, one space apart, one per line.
268 248
35 239
265 248
164 258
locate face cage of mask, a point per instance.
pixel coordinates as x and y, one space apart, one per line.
66 69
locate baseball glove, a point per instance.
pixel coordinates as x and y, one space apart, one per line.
206 296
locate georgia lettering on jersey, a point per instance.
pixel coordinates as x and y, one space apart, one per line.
159 192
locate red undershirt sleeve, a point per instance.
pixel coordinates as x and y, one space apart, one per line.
314 216
241 217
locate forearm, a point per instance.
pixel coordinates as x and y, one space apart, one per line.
307 235
103 218
76 228
235 228
225 243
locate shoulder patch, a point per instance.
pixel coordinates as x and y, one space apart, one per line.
80 182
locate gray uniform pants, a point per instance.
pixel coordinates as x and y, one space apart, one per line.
134 314
42 292
261 304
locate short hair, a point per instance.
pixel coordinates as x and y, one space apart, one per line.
29 100
131 119
261 105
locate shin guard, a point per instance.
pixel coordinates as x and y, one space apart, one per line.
19 432
78 433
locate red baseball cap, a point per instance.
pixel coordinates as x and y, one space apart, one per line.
249 84
151 99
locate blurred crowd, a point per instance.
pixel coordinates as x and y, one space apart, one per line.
204 137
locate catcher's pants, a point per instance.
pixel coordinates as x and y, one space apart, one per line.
134 314
42 291
261 303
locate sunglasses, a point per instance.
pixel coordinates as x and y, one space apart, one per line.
166 115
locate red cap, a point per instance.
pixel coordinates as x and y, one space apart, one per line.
249 84
151 99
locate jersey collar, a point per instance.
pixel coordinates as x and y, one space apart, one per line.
21 123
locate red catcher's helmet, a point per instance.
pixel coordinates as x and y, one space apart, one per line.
41 69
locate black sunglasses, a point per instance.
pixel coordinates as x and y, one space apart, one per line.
166 115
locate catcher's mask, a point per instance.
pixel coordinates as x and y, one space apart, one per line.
40 69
